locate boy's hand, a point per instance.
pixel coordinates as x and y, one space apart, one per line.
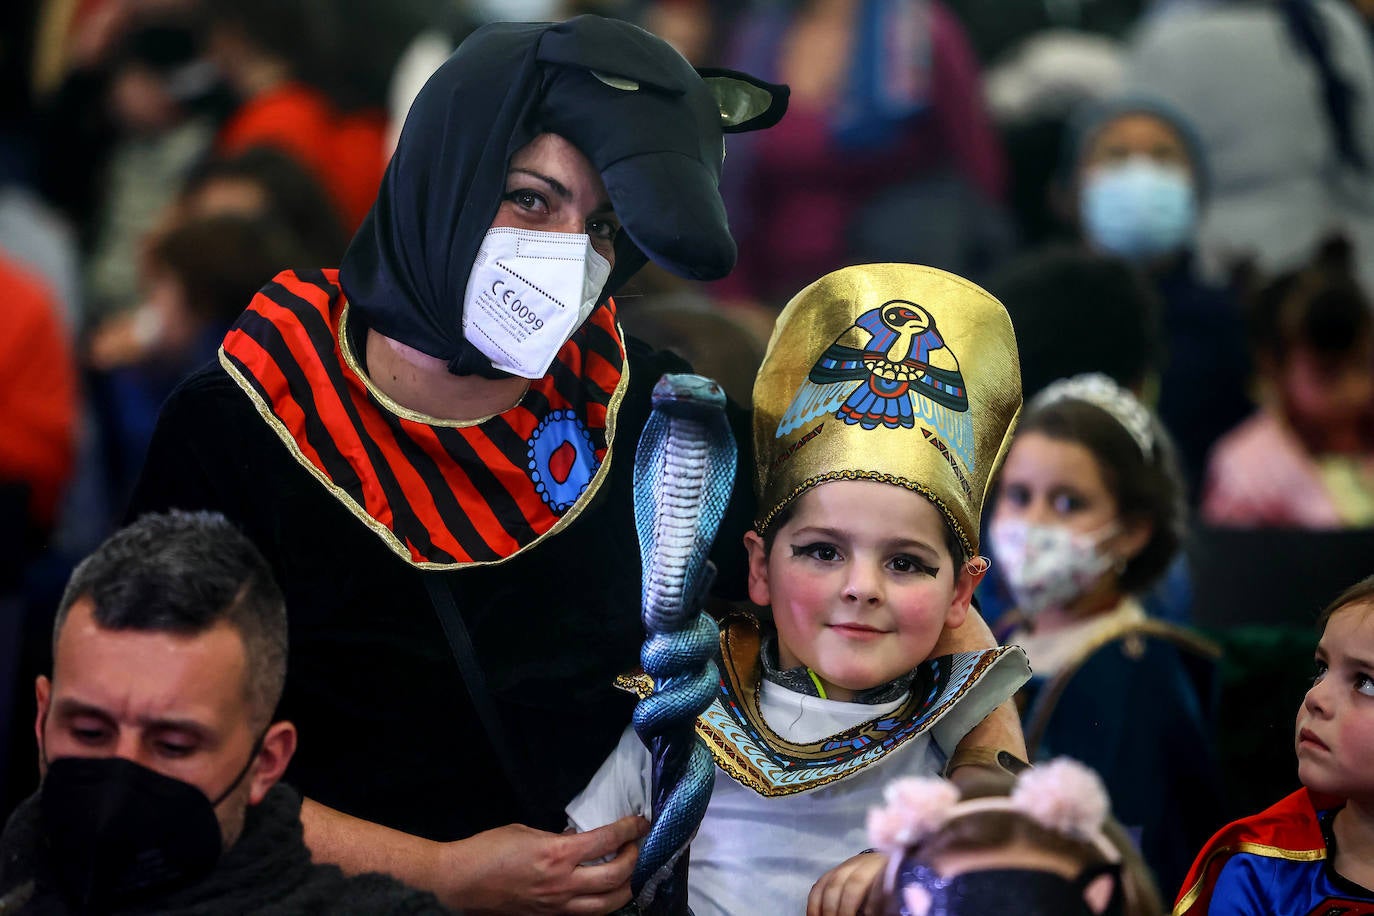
850 888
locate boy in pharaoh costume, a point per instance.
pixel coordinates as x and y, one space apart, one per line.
884 404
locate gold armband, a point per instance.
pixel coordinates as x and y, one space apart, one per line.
986 757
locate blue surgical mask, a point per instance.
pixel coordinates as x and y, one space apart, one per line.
1138 209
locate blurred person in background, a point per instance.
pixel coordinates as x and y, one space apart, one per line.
1281 93
1136 178
195 281
38 237
1078 311
38 411
700 30
1032 92
264 48
82 115
884 96
39 407
1306 457
267 183
159 94
1089 514
998 30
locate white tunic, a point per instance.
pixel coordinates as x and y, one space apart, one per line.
755 854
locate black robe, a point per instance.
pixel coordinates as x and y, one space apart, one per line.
387 729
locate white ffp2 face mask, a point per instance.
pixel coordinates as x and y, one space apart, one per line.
1048 566
527 293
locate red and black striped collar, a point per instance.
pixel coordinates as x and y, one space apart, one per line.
440 494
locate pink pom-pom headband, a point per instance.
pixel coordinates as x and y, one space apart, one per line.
1063 796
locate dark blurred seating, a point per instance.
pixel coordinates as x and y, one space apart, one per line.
1273 577
1257 593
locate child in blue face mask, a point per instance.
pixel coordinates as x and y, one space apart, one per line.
1137 173
1088 514
1139 182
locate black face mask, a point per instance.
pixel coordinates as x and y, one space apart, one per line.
1026 892
119 832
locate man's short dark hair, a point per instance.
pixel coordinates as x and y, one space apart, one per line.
184 573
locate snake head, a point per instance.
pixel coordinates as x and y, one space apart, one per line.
684 394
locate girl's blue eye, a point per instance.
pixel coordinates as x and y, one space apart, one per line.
1016 494
1320 672
1066 503
1364 684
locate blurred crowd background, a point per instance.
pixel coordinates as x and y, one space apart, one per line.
1177 193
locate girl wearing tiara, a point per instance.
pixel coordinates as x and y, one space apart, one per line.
1089 513
1041 845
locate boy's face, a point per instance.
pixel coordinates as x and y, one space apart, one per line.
861 583
1335 729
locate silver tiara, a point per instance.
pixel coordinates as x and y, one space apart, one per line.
1100 391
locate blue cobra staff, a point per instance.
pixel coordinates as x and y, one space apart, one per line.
684 471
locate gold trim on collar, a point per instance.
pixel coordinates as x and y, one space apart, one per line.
740 638
389 537
1259 849
1043 709
351 360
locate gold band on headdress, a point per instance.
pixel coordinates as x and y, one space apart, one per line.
898 373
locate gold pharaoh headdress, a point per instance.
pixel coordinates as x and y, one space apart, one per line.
891 372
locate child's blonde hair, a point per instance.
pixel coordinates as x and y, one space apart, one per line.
1361 592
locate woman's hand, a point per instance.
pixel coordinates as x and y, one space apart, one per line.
517 869
850 888
511 869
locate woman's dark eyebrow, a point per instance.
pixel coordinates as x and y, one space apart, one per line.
553 183
603 207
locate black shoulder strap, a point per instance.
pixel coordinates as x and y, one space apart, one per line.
460 644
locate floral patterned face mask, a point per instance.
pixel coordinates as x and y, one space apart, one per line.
1048 566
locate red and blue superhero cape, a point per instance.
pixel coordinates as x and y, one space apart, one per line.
1282 854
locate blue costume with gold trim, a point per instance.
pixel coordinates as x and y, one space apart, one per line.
1275 863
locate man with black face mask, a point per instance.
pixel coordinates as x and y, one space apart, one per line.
157 744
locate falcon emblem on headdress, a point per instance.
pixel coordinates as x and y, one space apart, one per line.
905 373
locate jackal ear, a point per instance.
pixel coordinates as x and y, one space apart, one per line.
745 102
